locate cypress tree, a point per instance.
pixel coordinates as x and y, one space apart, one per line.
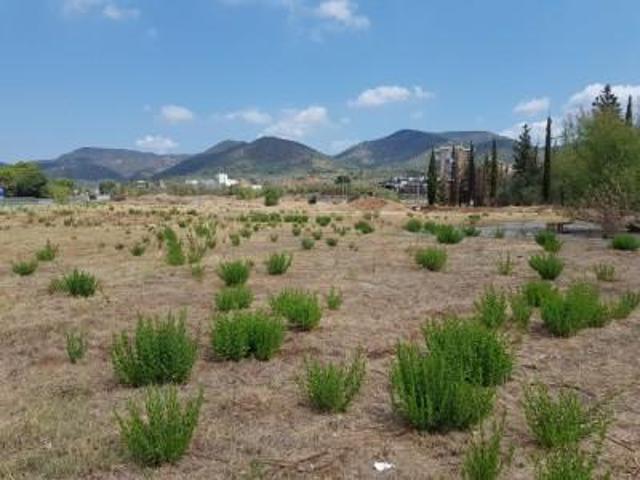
546 172
432 179
628 118
471 176
453 193
493 172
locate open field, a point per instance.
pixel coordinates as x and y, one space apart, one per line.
57 419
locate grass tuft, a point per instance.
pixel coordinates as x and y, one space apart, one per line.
300 308
239 334
234 298
625 242
234 273
76 345
433 259
77 284
491 308
279 263
24 268
484 459
548 266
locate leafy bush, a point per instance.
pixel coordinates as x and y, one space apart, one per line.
300 308
296 231
471 231
627 303
307 243
568 463
238 335
491 308
413 225
536 291
272 196
625 241
331 387
605 272
234 273
430 226
161 351
548 266
505 265
235 239
323 220
521 310
76 284
175 255
580 307
484 459
47 253
332 242
548 241
76 345
234 298
24 267
449 234
279 263
160 431
138 250
317 235
433 259
334 299
564 420
364 227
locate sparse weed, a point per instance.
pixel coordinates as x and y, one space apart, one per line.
77 284
24 267
625 305
491 308
138 249
76 345
484 459
605 272
625 242
505 265
334 299
47 253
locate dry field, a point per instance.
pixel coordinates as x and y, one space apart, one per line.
57 419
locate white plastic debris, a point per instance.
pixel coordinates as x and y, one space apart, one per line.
382 466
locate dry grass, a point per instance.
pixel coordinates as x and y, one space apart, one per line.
56 419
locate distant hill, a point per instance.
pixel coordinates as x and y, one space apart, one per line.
264 156
91 163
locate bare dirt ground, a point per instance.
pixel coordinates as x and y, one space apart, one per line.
56 419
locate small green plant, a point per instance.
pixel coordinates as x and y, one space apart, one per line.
331 387
499 233
484 459
138 249
364 227
548 266
413 225
536 291
175 255
429 226
240 334
548 241
433 259
491 308
234 298
77 284
197 271
563 420
626 242
505 265
323 220
47 253
234 273
273 237
279 263
76 345
521 310
334 299
625 305
272 196
604 272
161 351
235 239
471 231
24 267
579 307
296 231
317 235
301 309
569 463
307 243
160 430
332 242
448 234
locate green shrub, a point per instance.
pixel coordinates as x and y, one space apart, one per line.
138 250
76 345
334 299
471 231
536 291
433 259
161 351
448 234
331 387
175 255
296 231
323 220
300 308
548 241
564 420
47 253
332 242
234 273
272 196
505 265
430 226
413 225
605 272
431 393
307 243
24 267
521 310
484 459
76 284
234 298
160 431
625 241
240 334
499 233
627 303
235 239
548 266
273 237
364 227
317 235
568 463
491 308
580 307
278 263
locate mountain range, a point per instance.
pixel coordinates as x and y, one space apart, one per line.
267 156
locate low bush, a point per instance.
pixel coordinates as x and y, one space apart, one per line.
317 235
491 308
363 227
47 253
484 459
521 310
307 243
77 284
234 273
433 259
548 241
471 231
332 242
138 249
175 255
448 234
548 266
300 308
238 335
569 463
563 420
161 351
323 220
579 307
625 305
160 430
505 265
604 272
413 225
536 291
234 298
626 242
334 299
429 226
234 238
279 263
331 387
76 345
24 267
272 196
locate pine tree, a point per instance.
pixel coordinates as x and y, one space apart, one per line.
628 118
432 179
523 153
471 176
493 173
546 172
607 102
453 193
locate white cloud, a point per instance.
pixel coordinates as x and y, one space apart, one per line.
538 130
533 107
585 97
114 12
252 116
384 94
342 12
107 8
176 114
297 124
156 144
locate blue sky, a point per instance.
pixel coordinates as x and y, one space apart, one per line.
179 76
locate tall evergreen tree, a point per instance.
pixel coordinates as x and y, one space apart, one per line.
471 176
607 102
432 179
523 152
493 172
454 187
546 172
628 118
